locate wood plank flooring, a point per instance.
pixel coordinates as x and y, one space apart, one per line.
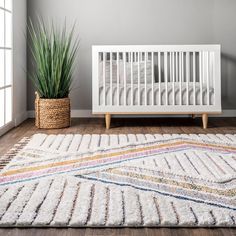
131 125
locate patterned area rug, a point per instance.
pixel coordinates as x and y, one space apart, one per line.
119 180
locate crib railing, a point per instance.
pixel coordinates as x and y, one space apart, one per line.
156 79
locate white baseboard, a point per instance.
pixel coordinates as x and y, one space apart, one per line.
31 114
19 118
83 113
6 128
88 114
228 113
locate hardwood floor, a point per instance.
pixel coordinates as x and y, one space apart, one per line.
118 231
131 125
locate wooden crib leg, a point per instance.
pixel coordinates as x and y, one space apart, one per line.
205 120
108 120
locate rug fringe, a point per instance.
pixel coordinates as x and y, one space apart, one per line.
6 158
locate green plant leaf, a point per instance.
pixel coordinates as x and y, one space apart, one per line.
54 51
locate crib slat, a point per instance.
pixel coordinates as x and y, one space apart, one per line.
118 77
139 78
152 78
100 80
104 78
173 77
166 76
132 79
124 61
145 77
203 68
187 77
213 75
176 68
159 76
171 72
207 77
111 87
194 78
180 77
201 75
210 70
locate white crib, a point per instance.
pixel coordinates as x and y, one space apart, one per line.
156 79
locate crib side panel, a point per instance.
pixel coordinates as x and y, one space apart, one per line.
156 79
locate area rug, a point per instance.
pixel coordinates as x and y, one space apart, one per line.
120 181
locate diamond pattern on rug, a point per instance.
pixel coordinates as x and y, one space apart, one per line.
121 180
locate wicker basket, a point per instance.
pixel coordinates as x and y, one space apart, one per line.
52 113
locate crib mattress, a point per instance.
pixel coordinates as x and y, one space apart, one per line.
126 96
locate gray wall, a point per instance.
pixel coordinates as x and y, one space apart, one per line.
225 33
142 22
19 61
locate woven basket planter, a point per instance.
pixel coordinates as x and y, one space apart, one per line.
52 113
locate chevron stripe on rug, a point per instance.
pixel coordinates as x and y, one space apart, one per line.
120 181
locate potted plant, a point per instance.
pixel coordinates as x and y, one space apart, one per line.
54 53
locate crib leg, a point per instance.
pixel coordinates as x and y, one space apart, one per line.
193 116
108 120
204 120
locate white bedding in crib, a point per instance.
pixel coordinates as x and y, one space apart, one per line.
140 99
135 68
